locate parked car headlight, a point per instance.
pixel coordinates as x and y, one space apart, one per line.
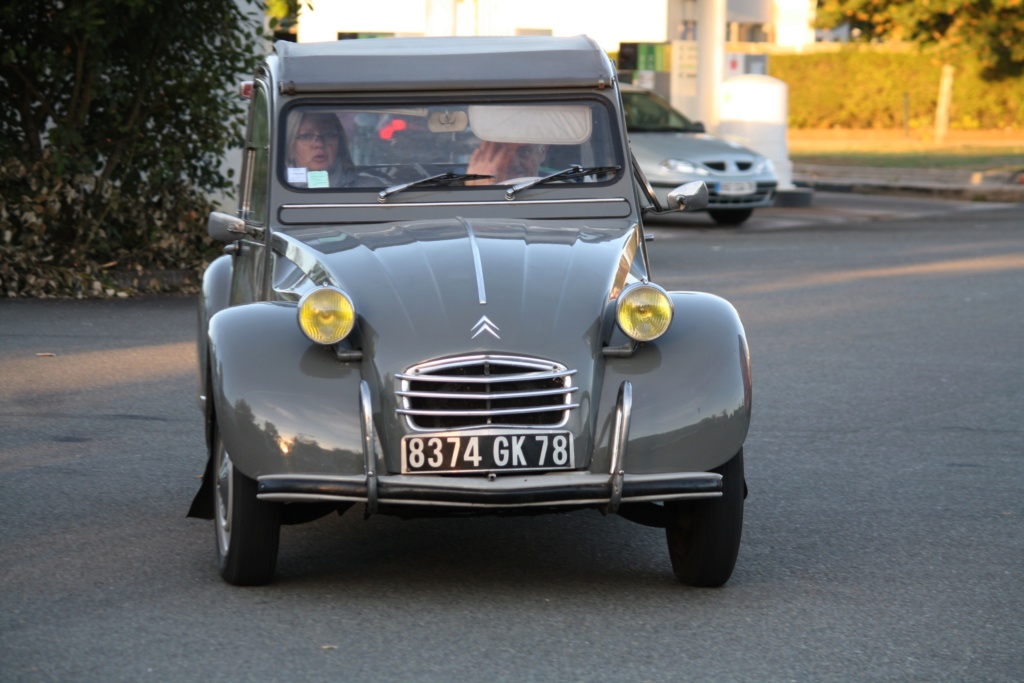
764 165
326 315
644 311
683 166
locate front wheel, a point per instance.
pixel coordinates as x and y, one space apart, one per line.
247 529
730 216
704 535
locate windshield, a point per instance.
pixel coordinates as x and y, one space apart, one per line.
471 144
646 112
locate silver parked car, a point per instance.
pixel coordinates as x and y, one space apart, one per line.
672 149
436 299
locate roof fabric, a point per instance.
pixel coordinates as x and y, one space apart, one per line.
442 63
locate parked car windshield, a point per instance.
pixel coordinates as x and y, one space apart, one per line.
327 147
648 113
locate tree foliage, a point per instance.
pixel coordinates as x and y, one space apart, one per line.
114 118
283 13
991 31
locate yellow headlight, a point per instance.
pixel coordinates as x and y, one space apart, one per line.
326 315
644 311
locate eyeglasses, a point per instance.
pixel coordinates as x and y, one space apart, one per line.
327 137
530 151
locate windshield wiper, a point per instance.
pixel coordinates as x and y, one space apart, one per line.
564 174
440 179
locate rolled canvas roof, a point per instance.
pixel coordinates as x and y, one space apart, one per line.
442 63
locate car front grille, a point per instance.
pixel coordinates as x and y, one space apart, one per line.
484 390
723 166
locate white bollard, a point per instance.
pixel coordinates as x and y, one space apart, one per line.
754 112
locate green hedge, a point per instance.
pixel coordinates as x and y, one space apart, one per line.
856 88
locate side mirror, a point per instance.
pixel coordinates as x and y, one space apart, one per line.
224 227
692 196
697 127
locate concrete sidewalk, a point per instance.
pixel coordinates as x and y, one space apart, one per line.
990 186
1003 185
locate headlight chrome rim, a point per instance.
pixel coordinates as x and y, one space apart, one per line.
638 324
326 315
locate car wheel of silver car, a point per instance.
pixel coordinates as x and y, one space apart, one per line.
730 216
247 529
704 535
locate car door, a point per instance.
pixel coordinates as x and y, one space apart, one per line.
248 273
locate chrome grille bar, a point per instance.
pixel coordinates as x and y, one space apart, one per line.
489 379
483 390
499 396
493 411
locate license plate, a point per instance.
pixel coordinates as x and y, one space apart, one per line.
737 187
487 452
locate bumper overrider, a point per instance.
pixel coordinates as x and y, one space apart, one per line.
570 489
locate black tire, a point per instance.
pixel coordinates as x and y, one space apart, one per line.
247 530
730 216
704 535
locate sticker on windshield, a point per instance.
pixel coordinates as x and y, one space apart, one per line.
296 176
317 179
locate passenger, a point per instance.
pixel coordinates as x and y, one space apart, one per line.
506 161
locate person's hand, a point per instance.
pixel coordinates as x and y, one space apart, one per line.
491 158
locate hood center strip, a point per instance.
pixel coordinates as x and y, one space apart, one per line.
477 263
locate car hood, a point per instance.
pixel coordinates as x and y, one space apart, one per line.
430 289
699 147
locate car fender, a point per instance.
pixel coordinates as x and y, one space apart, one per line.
215 297
691 391
272 388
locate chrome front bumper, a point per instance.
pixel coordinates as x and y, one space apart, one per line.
570 489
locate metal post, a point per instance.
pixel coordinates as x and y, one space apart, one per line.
942 109
906 115
710 59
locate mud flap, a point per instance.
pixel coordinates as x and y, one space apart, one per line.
202 504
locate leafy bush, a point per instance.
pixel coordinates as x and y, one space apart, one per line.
114 118
864 88
66 236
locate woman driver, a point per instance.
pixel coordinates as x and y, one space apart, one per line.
317 144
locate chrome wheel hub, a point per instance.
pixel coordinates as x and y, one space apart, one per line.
223 494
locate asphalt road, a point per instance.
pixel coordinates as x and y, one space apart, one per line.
884 531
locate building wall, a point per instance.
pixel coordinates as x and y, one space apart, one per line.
327 18
609 23
793 21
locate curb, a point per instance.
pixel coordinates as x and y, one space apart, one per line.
974 193
156 281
